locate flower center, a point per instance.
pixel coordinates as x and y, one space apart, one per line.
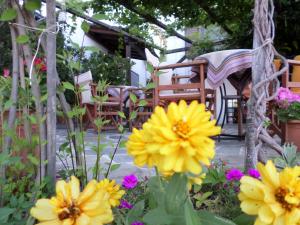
70 212
286 199
181 128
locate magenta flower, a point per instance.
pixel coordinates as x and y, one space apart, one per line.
6 72
254 173
137 223
130 181
125 205
234 174
285 95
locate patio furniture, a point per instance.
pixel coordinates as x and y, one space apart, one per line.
166 93
210 94
296 75
109 109
231 65
143 106
85 97
293 83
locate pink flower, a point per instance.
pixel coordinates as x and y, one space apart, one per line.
254 173
125 205
6 72
137 223
285 95
130 181
234 174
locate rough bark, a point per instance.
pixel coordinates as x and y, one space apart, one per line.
25 109
62 99
14 90
51 89
35 89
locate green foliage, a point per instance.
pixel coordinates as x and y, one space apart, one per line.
165 202
291 112
289 158
216 194
32 5
8 14
22 39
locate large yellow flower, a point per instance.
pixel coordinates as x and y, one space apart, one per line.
113 191
176 140
275 199
72 207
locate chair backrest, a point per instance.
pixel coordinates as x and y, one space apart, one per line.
296 75
84 80
199 86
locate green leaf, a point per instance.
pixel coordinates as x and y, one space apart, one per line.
190 215
150 67
33 159
8 104
85 26
67 85
133 115
92 49
157 216
150 86
207 218
32 5
133 97
8 14
115 167
99 16
22 39
5 213
142 103
122 115
244 220
135 213
177 193
122 144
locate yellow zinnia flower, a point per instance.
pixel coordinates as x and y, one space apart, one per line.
113 191
275 199
176 140
72 207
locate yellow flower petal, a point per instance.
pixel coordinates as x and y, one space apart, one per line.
266 215
75 187
43 210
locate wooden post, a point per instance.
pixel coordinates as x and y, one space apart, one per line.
51 89
202 85
128 56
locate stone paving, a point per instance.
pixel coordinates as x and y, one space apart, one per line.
232 151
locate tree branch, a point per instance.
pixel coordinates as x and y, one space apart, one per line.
153 20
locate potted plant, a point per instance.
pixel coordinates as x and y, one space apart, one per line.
288 112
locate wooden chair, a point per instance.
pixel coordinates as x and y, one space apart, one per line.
83 81
295 77
109 110
210 94
293 84
166 93
143 107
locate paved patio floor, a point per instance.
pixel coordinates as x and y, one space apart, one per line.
231 151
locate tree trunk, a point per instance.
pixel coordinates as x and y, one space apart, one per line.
12 110
62 99
25 109
51 89
35 89
14 90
